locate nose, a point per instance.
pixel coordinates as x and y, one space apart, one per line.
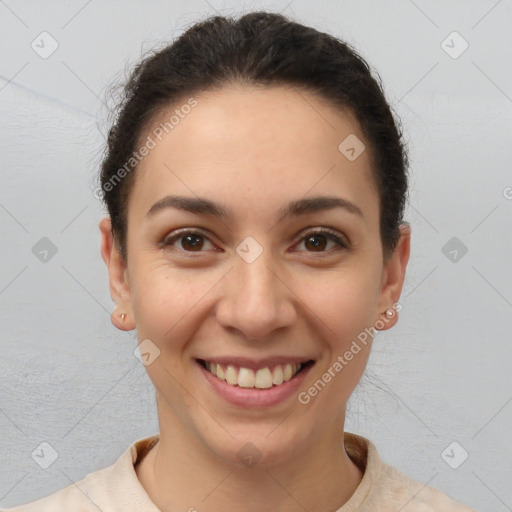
257 298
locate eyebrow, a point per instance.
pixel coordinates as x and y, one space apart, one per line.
203 206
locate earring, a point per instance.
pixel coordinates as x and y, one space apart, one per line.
389 313
123 316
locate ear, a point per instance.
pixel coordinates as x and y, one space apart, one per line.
393 277
118 278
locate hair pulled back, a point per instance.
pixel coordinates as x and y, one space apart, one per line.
259 49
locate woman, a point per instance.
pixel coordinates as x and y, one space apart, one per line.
255 181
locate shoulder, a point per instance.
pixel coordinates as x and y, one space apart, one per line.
398 490
113 487
73 497
386 488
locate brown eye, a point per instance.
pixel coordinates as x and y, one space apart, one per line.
316 241
192 241
189 241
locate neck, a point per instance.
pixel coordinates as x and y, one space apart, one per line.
180 475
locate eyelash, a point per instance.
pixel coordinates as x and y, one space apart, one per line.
330 234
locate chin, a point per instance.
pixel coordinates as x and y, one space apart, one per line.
255 447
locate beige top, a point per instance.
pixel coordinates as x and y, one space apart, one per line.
116 488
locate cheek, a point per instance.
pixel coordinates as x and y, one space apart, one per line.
344 301
164 298
166 302
345 307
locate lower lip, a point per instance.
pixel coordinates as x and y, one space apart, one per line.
254 397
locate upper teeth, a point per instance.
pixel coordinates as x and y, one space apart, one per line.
247 378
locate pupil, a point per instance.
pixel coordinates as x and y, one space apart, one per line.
187 239
320 245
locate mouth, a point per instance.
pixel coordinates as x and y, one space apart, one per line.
266 377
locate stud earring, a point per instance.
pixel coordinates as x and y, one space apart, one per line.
123 316
389 313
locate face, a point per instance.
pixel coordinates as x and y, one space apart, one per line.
255 287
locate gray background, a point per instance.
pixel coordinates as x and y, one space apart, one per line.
442 375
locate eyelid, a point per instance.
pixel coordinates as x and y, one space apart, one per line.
326 230
342 244
178 233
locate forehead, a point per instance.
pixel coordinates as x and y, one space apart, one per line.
247 142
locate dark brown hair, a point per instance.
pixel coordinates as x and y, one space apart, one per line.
259 49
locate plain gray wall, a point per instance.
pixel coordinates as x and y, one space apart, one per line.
442 375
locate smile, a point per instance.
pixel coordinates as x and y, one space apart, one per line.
262 378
